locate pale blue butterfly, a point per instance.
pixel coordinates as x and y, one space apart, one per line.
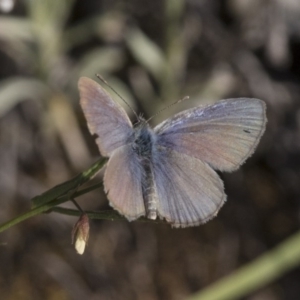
167 172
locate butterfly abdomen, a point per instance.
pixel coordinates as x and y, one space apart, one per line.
143 146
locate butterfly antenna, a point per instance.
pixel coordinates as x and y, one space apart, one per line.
106 83
168 106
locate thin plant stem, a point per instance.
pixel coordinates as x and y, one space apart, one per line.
77 205
111 215
45 207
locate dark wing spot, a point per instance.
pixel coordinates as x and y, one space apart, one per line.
247 131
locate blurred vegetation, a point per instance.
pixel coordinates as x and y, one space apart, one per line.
153 53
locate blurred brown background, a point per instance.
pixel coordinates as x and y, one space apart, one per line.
152 52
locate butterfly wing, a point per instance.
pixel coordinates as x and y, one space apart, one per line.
190 192
123 183
105 118
223 134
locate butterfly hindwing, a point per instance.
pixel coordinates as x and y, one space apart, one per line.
123 183
190 192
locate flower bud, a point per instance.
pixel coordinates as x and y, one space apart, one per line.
80 233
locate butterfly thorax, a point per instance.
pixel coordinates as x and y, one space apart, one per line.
143 141
143 145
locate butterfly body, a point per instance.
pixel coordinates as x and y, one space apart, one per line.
169 171
143 145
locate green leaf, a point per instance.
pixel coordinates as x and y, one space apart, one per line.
15 90
68 186
146 52
15 28
100 60
49 12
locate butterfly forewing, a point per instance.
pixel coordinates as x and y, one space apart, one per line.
105 118
190 192
223 134
123 183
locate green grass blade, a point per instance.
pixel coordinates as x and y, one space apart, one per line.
68 186
255 275
146 52
44 208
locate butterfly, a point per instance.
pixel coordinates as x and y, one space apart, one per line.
169 172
